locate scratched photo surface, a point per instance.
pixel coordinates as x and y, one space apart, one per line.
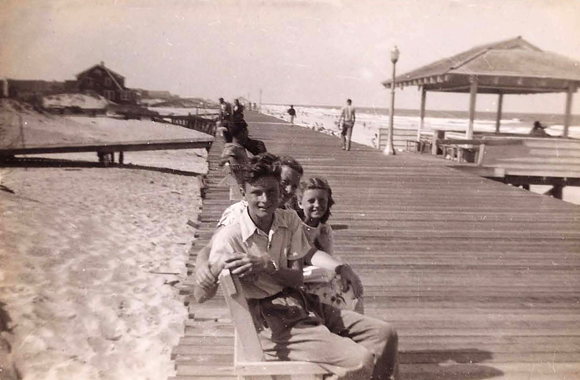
457 204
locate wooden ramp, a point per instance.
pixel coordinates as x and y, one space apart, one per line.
111 147
481 279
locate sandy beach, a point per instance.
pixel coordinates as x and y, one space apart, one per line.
91 256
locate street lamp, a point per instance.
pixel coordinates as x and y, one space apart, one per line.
390 149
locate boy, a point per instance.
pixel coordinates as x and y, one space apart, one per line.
266 248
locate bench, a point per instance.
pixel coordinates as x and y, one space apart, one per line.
249 360
475 147
403 139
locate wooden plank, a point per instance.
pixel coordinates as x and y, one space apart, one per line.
128 146
278 368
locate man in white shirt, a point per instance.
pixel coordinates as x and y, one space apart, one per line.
347 117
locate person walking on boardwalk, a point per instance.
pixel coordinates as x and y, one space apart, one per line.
292 112
347 118
266 247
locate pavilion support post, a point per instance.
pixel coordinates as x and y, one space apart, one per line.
472 97
422 121
499 109
568 111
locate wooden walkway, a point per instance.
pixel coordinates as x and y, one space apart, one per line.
482 280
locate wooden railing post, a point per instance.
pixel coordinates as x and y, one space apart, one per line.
437 135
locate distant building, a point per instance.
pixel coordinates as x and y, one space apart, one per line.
28 89
106 83
4 88
166 95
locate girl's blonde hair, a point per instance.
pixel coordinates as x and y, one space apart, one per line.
316 183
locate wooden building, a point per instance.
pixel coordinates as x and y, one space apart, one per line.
511 67
106 83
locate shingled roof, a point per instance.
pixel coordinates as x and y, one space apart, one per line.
511 66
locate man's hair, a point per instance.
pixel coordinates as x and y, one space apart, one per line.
221 100
316 183
292 164
348 101
262 165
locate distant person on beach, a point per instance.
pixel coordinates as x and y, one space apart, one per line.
237 111
234 155
267 248
314 201
538 130
346 120
292 112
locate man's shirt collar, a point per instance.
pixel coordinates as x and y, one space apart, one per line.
248 228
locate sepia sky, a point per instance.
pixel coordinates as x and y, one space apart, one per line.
296 51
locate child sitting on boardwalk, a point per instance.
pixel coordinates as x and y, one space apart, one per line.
234 154
266 248
314 202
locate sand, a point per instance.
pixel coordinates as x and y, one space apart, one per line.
90 258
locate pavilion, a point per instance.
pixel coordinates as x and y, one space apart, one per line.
508 67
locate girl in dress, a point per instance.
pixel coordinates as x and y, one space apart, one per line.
314 202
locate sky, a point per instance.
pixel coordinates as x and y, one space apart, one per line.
289 51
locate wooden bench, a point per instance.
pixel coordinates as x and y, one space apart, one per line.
249 360
403 139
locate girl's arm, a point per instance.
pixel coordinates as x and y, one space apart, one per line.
349 278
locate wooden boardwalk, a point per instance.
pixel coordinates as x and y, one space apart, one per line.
482 280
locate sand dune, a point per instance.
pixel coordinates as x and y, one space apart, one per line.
89 260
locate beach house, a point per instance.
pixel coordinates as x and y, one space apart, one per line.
106 83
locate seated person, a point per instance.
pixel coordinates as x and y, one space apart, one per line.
234 154
538 130
266 248
346 279
314 202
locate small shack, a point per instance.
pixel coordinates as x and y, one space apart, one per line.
514 66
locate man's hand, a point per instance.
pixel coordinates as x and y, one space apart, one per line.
204 277
244 264
348 279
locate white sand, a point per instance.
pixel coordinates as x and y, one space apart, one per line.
89 259
77 100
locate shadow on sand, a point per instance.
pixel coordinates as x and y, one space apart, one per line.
61 163
461 364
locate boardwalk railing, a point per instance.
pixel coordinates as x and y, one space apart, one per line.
105 151
195 122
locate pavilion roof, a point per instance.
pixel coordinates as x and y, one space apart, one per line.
511 66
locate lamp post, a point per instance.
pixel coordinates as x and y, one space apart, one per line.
390 149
